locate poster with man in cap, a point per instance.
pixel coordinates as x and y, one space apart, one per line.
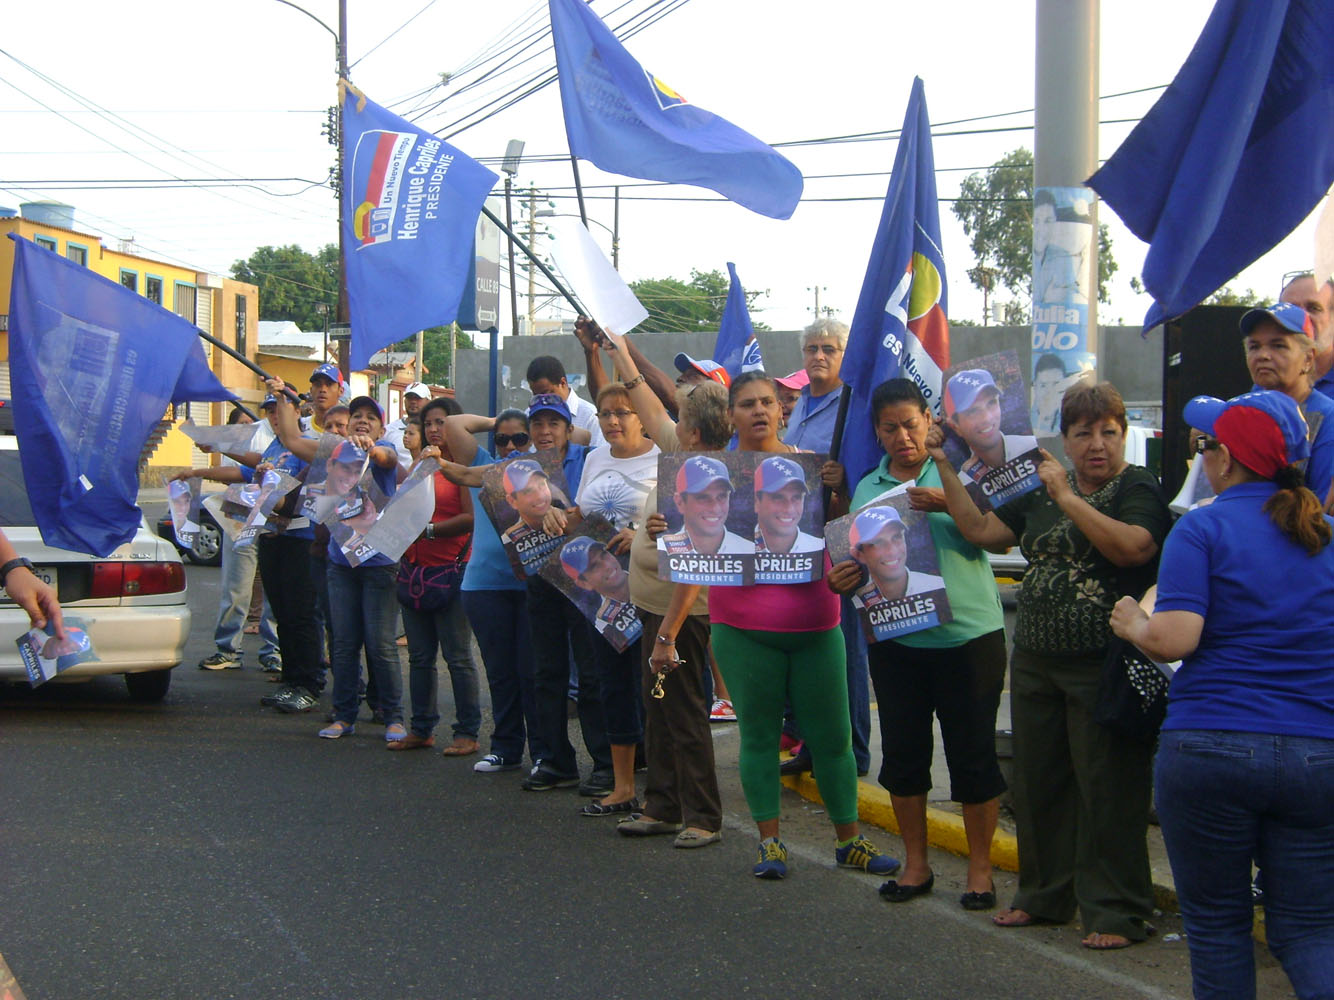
988 432
787 500
903 591
516 494
596 582
707 542
183 501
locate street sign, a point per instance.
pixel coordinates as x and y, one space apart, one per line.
480 306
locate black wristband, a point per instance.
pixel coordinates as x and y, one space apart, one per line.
12 565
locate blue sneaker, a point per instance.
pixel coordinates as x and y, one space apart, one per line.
861 853
773 859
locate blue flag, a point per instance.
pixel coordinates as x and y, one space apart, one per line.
92 369
736 348
900 328
410 207
627 121
1236 152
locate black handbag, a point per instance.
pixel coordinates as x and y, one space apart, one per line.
1132 692
429 588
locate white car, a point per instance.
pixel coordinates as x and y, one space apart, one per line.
132 602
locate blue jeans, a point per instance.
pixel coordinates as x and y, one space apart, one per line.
859 685
1224 798
238 581
499 622
446 630
363 605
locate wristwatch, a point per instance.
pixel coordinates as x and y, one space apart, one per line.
12 565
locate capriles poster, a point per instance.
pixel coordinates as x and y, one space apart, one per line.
183 501
516 494
737 518
904 591
401 521
596 581
44 655
988 435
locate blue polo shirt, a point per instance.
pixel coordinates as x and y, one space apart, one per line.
811 426
1320 466
1262 665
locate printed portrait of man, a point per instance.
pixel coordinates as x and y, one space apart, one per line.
780 500
588 563
973 411
879 541
704 498
528 491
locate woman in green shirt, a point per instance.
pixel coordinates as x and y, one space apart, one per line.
955 671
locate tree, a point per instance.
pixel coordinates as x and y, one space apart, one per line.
1225 296
676 306
995 207
292 282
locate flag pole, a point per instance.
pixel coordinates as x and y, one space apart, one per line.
579 189
836 442
264 376
569 297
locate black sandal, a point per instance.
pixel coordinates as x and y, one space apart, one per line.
598 809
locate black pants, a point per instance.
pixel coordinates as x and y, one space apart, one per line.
284 566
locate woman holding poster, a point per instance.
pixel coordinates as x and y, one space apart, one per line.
780 642
1081 789
955 671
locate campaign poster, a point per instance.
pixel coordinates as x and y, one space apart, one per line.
44 655
316 502
183 501
1063 281
273 486
516 494
233 438
596 581
988 435
904 591
400 522
737 518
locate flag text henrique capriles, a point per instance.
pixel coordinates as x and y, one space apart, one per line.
426 177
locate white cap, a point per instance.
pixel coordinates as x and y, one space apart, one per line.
418 389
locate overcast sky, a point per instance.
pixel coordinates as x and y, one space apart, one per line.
197 90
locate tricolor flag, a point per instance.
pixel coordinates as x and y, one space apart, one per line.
410 207
92 369
900 327
627 121
736 348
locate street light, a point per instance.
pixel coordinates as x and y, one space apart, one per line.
510 166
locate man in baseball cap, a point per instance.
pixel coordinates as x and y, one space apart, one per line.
700 371
973 410
704 497
415 397
1318 301
326 388
588 563
879 541
780 501
528 490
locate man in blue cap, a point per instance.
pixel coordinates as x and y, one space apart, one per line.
704 497
973 410
879 541
592 567
780 501
326 388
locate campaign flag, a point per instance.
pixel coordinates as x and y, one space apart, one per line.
1235 153
900 327
736 348
92 368
628 121
410 207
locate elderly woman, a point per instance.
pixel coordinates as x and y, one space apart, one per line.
1280 354
1245 764
1081 790
955 671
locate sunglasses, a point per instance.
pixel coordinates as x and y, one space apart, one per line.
519 440
1203 444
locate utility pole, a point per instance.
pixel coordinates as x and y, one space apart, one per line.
344 313
816 289
532 233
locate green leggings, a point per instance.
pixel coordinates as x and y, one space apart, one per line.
763 671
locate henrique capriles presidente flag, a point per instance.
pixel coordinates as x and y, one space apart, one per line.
92 369
1236 152
900 327
736 348
410 207
627 121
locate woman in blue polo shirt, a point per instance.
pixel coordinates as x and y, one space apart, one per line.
1245 765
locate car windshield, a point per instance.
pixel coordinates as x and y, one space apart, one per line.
14 507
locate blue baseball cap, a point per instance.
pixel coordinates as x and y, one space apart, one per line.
347 453
773 474
872 521
698 472
577 554
963 389
329 371
549 401
519 472
1288 315
362 401
1264 430
269 400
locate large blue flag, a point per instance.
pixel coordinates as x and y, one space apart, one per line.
92 368
900 328
627 121
1235 153
410 207
736 348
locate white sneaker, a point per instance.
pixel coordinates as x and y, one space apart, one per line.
722 711
494 762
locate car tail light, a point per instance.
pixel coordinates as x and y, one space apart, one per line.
135 579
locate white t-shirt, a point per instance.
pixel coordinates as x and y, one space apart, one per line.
617 488
394 435
585 415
